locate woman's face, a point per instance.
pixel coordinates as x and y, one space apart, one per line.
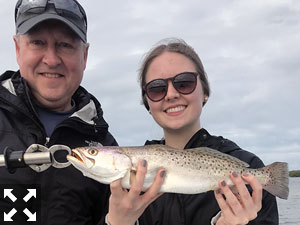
176 112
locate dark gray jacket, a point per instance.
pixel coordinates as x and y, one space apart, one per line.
67 196
180 209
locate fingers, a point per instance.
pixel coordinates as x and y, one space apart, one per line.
232 201
242 191
137 186
232 209
116 189
154 191
257 190
239 207
222 203
126 207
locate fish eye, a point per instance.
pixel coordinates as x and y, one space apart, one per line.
93 152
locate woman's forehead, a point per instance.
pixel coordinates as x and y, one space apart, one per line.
168 64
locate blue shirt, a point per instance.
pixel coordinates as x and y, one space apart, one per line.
51 119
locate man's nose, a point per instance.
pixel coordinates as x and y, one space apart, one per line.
51 58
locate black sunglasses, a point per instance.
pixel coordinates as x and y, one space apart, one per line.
185 83
62 7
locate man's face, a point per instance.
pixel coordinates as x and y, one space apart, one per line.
52 60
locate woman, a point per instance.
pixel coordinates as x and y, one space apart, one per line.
174 90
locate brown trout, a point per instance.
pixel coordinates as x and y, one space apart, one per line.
188 171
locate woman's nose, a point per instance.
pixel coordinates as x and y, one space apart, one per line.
172 93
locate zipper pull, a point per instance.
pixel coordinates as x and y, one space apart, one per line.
95 123
47 141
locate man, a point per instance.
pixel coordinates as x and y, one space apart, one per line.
43 103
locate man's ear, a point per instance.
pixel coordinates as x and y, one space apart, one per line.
86 52
16 39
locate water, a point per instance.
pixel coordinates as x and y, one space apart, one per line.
289 210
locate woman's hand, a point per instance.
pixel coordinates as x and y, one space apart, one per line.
125 207
239 208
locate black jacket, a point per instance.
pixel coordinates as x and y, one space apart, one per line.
199 209
67 196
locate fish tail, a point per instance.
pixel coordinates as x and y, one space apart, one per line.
278 183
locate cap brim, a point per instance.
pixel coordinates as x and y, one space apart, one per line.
30 23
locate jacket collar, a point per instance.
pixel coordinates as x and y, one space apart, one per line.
88 109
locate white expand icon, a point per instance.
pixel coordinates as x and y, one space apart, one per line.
8 216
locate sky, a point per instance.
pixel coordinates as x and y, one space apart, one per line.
250 51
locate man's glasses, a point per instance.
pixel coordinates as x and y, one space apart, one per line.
64 8
185 83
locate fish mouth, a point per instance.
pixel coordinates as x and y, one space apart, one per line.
77 155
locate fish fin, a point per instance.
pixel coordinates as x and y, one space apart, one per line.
278 184
132 177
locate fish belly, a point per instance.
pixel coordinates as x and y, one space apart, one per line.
178 182
188 184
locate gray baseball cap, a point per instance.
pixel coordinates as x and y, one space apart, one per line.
29 13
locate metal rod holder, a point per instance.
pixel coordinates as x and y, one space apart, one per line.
19 159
